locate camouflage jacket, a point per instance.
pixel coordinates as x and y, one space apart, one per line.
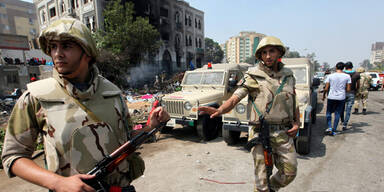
73 141
365 82
261 84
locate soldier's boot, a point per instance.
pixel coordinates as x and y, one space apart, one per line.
364 111
356 111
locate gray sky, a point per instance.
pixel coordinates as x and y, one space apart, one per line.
335 30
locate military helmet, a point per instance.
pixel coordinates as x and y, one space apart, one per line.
269 41
360 70
69 29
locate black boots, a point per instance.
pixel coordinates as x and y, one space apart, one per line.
364 111
355 112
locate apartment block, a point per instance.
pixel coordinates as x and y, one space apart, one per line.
377 53
19 18
238 48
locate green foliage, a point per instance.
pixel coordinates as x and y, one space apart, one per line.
315 63
292 54
366 64
125 40
213 52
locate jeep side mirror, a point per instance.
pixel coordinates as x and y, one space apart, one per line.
232 82
316 82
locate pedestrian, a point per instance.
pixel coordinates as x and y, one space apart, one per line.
261 85
362 92
80 114
336 85
350 95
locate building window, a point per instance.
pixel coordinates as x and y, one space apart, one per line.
186 20
31 21
196 43
163 12
52 12
199 24
2 4
190 41
177 17
85 1
73 4
147 9
32 31
42 16
7 27
12 78
30 11
200 46
195 23
62 7
189 21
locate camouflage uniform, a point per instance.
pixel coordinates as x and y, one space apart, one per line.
74 140
261 84
362 93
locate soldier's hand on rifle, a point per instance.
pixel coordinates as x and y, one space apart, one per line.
213 112
73 184
158 115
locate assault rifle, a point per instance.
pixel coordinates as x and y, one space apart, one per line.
264 140
111 161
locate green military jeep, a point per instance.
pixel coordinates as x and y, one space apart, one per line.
206 86
236 121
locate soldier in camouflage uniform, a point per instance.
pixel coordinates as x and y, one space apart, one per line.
80 114
362 92
261 83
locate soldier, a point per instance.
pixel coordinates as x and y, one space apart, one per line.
362 92
261 84
80 114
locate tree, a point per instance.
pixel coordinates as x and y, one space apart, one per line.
125 40
213 52
316 64
292 54
366 64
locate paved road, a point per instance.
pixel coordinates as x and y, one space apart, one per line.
352 161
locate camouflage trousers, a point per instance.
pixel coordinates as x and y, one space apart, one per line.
284 158
361 97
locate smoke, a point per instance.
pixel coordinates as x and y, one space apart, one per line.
143 74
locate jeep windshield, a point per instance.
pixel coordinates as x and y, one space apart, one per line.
204 78
300 75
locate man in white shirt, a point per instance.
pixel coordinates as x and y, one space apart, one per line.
336 86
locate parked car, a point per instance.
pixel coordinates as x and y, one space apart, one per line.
236 121
376 82
206 86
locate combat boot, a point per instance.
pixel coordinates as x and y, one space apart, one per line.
355 112
364 111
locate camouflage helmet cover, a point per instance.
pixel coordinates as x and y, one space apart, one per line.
269 41
360 70
68 29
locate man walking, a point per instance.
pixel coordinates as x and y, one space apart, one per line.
336 86
262 84
362 91
350 95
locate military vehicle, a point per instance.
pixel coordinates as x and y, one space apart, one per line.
236 121
205 86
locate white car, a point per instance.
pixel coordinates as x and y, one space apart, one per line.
376 83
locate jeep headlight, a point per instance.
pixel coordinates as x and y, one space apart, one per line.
187 106
240 108
303 99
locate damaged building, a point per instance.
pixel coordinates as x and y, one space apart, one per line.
181 29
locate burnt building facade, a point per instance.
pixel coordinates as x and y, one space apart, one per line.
181 30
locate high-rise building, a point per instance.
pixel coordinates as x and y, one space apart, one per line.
377 53
19 18
238 48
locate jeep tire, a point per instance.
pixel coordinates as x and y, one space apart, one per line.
230 137
207 128
303 141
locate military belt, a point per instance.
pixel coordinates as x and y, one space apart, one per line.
273 127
